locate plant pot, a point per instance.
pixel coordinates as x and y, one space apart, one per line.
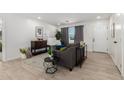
50 56
23 56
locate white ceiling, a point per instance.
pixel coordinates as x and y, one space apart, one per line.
61 18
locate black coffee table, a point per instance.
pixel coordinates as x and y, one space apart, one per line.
50 66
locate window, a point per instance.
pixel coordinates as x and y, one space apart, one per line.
71 33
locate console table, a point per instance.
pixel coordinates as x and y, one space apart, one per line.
38 46
81 55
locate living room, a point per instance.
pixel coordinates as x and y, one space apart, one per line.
61 46
19 30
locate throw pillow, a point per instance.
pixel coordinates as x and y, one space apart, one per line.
62 49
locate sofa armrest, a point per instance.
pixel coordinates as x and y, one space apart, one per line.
68 57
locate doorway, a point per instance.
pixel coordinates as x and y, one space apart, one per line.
100 37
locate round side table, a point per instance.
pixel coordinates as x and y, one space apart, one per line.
49 65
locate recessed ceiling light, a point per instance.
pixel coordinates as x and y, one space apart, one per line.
118 14
98 17
38 17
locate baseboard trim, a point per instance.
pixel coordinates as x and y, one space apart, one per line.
11 59
121 73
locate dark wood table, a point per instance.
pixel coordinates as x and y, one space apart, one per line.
37 46
81 55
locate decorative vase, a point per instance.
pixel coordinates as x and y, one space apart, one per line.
23 56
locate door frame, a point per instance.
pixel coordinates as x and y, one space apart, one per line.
107 39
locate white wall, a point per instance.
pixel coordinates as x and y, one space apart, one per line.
122 21
118 20
19 31
89 28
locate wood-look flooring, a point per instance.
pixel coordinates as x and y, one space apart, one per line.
98 66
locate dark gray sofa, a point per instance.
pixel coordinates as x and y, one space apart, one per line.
66 58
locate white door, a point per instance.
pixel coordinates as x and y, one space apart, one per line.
117 47
100 37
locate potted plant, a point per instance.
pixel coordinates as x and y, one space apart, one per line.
23 52
58 35
50 52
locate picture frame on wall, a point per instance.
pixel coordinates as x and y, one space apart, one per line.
39 32
113 30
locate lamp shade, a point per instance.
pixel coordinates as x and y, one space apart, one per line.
58 42
51 41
